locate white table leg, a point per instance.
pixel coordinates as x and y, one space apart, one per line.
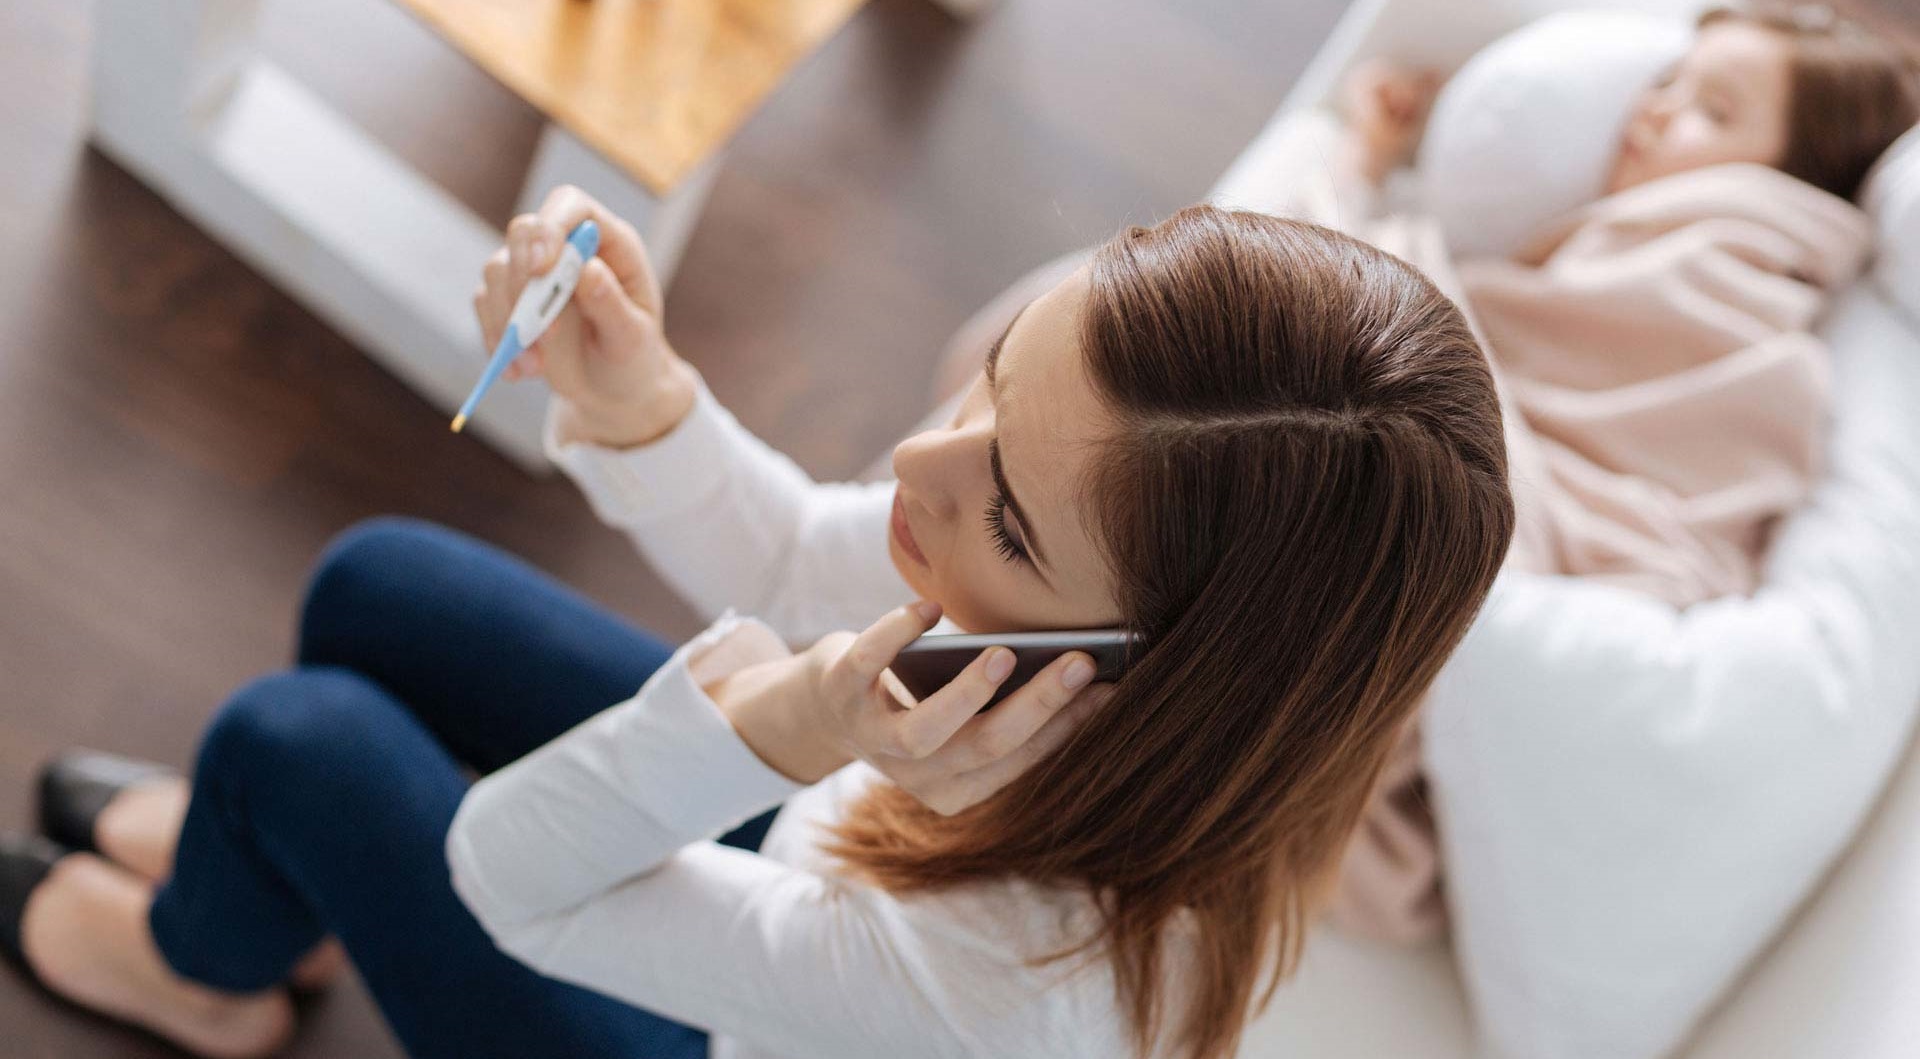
306 197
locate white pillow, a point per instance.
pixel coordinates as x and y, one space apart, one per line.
1634 799
1529 128
1892 195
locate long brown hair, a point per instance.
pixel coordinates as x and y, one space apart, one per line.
1304 505
1855 90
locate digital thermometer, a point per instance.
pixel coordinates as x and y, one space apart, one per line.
535 311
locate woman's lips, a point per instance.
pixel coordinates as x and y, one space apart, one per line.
904 533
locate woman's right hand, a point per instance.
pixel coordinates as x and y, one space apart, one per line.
606 356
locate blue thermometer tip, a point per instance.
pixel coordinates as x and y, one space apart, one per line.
585 238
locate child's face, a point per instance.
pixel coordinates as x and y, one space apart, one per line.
1726 101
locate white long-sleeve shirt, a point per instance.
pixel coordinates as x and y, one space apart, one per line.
592 858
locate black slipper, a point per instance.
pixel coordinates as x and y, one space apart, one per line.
78 784
25 861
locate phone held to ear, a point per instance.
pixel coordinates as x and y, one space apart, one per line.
931 662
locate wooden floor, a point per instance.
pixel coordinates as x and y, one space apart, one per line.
177 438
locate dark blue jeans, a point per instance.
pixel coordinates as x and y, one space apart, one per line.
323 794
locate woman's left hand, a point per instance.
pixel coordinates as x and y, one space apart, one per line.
811 713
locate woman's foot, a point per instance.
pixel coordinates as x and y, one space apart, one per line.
84 933
320 968
139 829
77 786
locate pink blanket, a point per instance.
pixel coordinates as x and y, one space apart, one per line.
1666 405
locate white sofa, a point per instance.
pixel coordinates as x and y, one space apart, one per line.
1841 983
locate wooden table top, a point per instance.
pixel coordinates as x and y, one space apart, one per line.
656 86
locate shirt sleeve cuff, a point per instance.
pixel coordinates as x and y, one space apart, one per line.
616 796
704 747
658 480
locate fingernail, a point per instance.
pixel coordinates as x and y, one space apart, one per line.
1078 672
538 247
1000 664
926 610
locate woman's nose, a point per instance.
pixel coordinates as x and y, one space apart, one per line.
918 468
933 467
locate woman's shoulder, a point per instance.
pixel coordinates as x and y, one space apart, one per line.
979 949
996 914
1008 917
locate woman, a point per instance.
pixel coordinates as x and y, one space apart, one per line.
1272 451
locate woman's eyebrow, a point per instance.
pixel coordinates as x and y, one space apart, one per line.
993 351
999 470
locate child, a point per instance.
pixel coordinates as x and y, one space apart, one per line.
1665 392
1797 88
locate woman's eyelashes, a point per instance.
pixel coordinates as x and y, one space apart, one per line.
1009 548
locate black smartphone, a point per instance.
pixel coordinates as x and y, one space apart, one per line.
931 662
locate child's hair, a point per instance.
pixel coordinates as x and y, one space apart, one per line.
1855 91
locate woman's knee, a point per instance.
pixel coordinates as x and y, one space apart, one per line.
366 578
295 727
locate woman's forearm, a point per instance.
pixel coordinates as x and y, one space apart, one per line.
729 521
616 796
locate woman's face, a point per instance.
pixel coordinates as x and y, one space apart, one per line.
1035 414
1727 101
